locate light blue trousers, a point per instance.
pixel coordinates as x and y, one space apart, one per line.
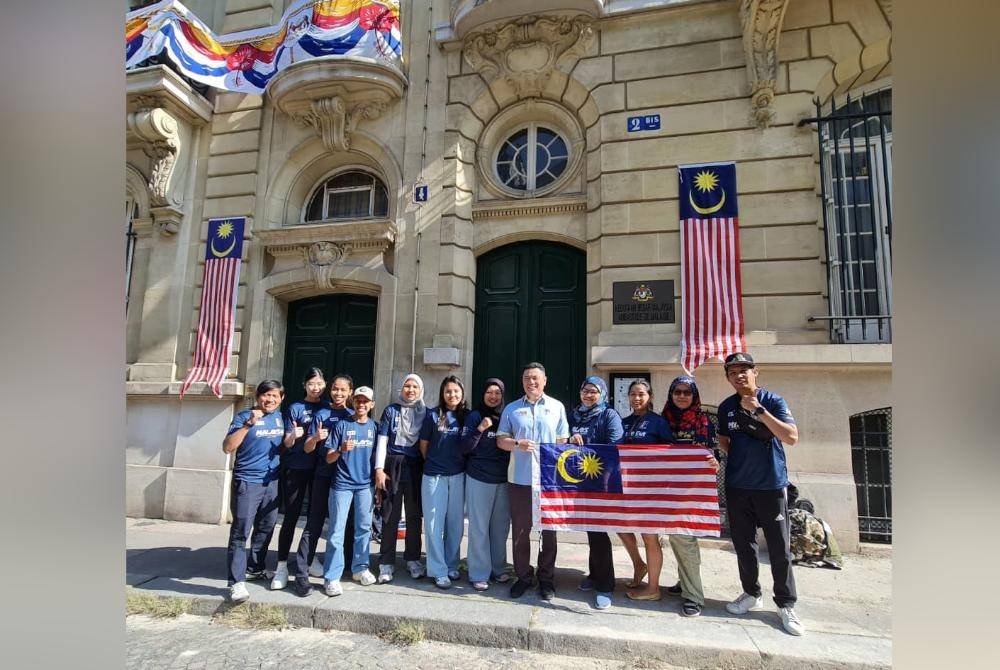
489 525
443 498
339 506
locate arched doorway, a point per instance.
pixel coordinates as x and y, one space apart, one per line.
335 333
531 306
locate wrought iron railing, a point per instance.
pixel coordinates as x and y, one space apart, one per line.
871 457
855 151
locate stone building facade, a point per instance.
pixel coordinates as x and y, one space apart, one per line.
345 262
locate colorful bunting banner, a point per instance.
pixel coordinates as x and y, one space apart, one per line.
247 60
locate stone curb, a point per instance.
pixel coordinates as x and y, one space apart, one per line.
519 625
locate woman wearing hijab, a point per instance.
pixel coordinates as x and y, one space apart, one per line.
486 499
690 425
593 422
399 469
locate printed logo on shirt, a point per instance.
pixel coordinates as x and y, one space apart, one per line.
269 432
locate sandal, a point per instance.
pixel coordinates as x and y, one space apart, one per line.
644 596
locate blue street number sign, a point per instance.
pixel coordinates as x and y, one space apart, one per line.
648 122
420 193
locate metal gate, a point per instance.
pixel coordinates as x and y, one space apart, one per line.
871 455
855 152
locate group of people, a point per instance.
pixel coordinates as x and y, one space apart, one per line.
444 463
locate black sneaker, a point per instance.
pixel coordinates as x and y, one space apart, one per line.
690 608
254 575
674 590
518 588
546 590
301 587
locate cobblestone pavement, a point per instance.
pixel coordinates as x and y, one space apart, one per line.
197 643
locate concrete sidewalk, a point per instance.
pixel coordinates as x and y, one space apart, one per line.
847 613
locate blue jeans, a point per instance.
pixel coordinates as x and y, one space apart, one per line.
443 498
339 506
254 508
489 524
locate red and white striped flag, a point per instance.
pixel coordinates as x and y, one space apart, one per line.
636 488
217 315
711 293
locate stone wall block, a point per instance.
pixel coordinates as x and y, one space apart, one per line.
657 216
685 59
150 432
864 16
805 13
609 98
792 242
199 496
254 18
614 219
791 312
630 250
226 102
230 206
837 42
232 164
242 184
237 121
687 88
770 208
234 142
777 276
592 72
145 491
697 24
793 45
201 427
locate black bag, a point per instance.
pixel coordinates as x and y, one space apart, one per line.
749 424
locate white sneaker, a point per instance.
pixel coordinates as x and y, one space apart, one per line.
280 579
316 569
442 583
790 621
365 578
416 569
454 575
385 573
238 592
744 603
333 588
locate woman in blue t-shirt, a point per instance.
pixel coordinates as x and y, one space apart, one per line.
340 389
297 467
442 489
644 426
255 437
399 468
593 422
486 489
350 449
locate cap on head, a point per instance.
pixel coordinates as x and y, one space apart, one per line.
739 358
366 391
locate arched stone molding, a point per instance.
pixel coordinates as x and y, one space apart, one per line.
504 238
310 162
272 294
872 63
136 187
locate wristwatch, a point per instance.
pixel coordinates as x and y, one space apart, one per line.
758 411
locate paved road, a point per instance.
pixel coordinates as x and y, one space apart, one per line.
196 643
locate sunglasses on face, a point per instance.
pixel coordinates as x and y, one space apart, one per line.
682 392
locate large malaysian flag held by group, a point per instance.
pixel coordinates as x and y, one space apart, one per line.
712 309
217 314
635 488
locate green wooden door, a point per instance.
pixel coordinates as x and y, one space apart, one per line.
531 306
335 333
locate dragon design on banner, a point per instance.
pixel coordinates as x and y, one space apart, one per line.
247 60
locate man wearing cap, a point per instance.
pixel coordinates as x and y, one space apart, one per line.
753 426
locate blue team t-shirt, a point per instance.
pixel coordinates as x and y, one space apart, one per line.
388 425
603 428
650 428
353 470
259 455
302 413
328 417
444 451
487 462
754 464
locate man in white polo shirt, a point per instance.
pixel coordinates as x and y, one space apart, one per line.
525 423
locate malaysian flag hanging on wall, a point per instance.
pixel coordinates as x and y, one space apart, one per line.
217 316
636 488
712 309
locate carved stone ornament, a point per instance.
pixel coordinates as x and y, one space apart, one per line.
336 117
159 134
762 21
322 258
527 50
